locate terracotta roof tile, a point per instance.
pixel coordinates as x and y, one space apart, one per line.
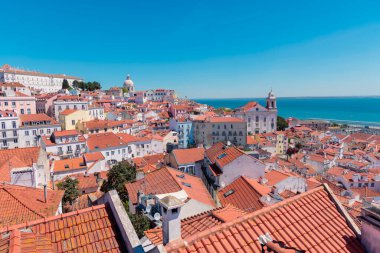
309 221
223 154
244 193
88 230
198 223
191 155
15 158
104 140
68 111
168 180
36 118
21 204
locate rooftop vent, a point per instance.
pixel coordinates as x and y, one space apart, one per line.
67 166
228 193
181 176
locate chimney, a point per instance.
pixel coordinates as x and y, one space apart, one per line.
370 218
171 222
45 193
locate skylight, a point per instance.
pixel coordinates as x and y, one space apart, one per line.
186 184
221 156
228 193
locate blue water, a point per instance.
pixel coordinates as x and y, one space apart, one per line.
361 109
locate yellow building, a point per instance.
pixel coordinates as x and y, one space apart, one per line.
71 119
281 143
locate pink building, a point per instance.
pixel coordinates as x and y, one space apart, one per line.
16 97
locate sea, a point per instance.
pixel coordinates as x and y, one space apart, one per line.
350 110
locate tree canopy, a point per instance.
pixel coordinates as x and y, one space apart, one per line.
118 175
65 84
281 123
89 86
70 186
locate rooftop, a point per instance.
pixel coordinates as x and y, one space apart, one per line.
310 221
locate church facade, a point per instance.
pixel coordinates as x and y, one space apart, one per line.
259 119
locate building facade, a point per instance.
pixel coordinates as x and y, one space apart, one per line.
220 129
185 132
259 119
33 127
9 124
34 80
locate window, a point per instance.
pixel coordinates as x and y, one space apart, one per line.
5 143
73 122
22 111
6 103
48 131
34 132
26 133
2 125
13 103
41 131
107 153
112 152
14 124
14 133
15 141
29 111
4 134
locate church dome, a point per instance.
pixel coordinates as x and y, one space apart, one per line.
128 82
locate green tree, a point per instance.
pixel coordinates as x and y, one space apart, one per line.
118 175
281 123
65 84
140 223
70 186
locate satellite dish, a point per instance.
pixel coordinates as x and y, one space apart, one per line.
157 216
148 208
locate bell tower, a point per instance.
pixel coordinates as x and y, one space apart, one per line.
271 101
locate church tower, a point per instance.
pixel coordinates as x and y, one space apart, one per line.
271 101
128 83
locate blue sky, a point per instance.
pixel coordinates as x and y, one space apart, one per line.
202 49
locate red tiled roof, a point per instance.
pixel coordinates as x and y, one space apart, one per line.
198 223
22 204
191 155
309 221
71 164
248 106
225 120
167 180
104 140
276 176
36 118
16 158
148 159
65 133
88 230
223 154
92 157
244 193
68 111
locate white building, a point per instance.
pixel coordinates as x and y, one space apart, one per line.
259 119
35 80
158 95
184 130
9 125
69 102
33 126
64 144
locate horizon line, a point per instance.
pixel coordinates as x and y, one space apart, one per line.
349 96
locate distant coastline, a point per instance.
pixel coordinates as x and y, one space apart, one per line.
365 109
